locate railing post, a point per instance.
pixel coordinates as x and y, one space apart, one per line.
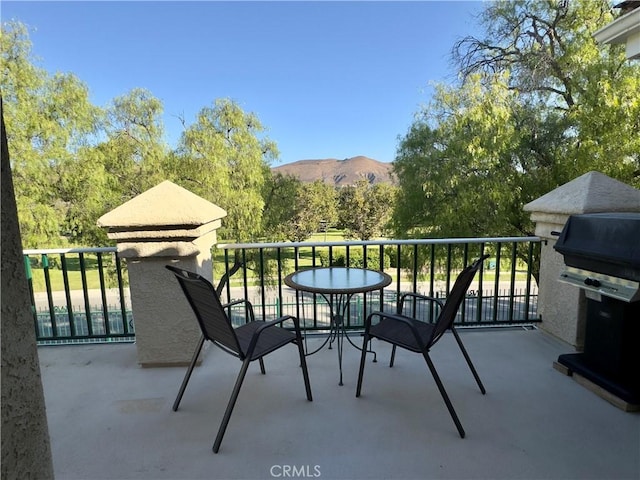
164 225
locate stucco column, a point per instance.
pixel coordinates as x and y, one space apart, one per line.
26 448
164 225
562 306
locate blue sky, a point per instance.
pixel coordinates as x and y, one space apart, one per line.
327 79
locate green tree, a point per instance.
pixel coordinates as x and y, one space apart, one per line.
557 69
280 192
295 210
224 158
49 118
73 161
128 160
365 209
540 103
314 203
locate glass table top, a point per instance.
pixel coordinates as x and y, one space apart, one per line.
337 280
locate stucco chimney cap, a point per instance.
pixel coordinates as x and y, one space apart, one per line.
165 205
589 193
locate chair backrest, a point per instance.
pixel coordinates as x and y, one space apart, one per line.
454 299
206 305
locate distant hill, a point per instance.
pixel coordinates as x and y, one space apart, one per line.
339 172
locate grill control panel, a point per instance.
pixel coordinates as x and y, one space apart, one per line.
614 287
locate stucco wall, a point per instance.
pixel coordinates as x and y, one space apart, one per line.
26 451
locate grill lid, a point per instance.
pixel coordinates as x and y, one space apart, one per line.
607 243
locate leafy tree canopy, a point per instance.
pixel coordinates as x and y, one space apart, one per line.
223 158
365 209
73 161
48 118
539 103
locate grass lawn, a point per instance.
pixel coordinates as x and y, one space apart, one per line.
57 281
74 274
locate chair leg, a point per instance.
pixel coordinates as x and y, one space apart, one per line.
231 404
363 358
443 392
393 356
187 375
305 372
468 359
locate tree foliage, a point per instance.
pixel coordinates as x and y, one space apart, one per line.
365 209
74 161
295 210
126 161
539 104
222 158
314 203
48 119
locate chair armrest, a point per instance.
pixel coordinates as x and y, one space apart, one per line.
419 297
247 303
272 323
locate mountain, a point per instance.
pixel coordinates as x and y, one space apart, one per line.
339 172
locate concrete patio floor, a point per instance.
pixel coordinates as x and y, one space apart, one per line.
110 419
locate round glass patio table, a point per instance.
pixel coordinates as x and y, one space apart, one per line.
337 285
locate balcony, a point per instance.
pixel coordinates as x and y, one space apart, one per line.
109 418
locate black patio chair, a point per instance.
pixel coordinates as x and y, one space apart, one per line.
248 342
419 336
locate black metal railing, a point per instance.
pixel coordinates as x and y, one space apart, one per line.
503 293
81 295
78 295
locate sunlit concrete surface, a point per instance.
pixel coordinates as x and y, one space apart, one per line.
111 419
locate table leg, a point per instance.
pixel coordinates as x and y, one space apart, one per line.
338 321
369 350
338 305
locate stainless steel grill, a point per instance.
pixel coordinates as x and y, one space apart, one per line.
602 257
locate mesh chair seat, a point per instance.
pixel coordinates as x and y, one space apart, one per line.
269 340
391 330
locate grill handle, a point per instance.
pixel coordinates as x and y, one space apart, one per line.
555 234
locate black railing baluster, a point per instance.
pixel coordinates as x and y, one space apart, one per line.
415 267
398 270
463 306
528 290
448 287
123 304
412 259
34 311
279 265
67 295
496 283
480 276
47 281
514 260
85 291
262 285
103 296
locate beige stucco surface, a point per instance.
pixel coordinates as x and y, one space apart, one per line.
164 225
26 451
562 306
166 204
